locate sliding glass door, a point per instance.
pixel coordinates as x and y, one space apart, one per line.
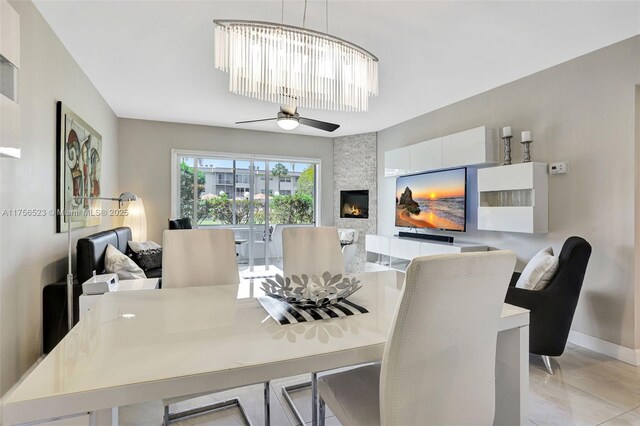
255 197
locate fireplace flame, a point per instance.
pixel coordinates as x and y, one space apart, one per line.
353 210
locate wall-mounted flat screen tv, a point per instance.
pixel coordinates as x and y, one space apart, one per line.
433 200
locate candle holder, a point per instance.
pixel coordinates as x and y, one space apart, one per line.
527 152
507 150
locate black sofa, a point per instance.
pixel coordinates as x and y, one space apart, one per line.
90 256
91 251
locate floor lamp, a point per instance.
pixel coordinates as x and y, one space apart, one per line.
136 220
124 197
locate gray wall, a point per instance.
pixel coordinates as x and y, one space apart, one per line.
31 253
582 111
355 167
145 160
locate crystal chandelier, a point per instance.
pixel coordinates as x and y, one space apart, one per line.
295 66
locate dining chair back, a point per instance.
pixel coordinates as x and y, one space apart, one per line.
275 246
198 257
311 251
439 361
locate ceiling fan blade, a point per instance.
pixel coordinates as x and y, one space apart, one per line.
322 125
255 121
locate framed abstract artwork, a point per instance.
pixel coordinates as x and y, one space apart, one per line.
79 164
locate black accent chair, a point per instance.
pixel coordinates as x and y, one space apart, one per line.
552 309
182 223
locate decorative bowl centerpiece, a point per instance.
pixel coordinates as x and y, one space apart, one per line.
311 292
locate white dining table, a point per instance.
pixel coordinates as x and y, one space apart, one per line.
147 345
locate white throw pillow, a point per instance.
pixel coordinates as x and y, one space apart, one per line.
116 262
539 271
137 247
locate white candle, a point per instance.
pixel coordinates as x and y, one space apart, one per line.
506 132
526 136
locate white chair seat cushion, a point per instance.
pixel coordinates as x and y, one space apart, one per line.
353 395
539 271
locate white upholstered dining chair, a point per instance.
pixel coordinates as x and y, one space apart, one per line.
349 237
275 246
198 257
310 251
438 365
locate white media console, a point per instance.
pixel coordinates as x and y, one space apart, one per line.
396 253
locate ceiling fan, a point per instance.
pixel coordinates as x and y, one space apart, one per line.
288 119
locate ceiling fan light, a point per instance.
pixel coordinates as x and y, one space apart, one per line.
288 123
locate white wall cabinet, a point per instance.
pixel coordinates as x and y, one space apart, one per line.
478 146
474 146
397 162
426 155
514 198
9 128
9 64
9 33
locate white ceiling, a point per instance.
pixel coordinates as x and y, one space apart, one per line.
154 60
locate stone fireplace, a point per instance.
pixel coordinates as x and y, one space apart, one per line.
354 168
354 204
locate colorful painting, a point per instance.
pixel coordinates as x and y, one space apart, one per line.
79 170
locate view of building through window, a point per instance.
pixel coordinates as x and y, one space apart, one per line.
223 189
218 179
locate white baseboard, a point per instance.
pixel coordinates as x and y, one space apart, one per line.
622 353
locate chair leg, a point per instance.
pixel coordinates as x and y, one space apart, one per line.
286 392
547 364
222 405
314 399
267 404
165 417
321 408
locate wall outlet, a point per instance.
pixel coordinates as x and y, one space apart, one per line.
560 168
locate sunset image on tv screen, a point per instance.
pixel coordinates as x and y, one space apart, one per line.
432 200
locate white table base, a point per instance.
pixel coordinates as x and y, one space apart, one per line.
512 377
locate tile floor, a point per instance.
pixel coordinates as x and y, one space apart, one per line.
587 389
